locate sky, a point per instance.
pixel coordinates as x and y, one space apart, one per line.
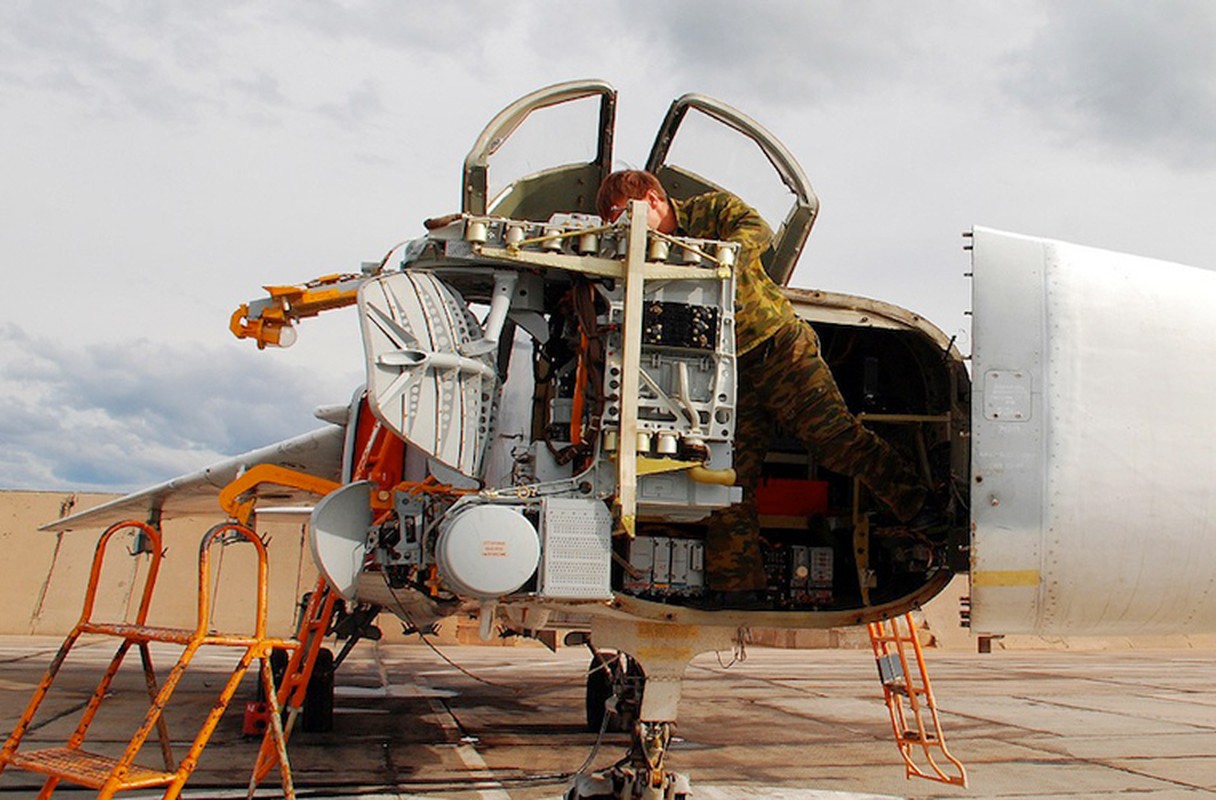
161 161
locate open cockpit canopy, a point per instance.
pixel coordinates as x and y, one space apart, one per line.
527 165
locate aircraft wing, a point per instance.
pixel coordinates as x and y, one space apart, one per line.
317 453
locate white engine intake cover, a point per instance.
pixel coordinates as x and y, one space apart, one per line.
487 551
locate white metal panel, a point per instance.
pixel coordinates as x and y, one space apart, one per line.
577 549
1094 449
1006 453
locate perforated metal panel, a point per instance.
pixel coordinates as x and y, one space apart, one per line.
576 545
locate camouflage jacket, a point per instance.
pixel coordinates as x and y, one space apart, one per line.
760 307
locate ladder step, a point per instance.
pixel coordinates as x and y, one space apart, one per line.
88 769
152 633
140 633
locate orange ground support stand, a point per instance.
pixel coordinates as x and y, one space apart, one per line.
908 694
73 764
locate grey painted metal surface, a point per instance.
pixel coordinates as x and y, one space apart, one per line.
425 381
1094 446
337 528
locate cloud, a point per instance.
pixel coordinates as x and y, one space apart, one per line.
783 47
119 416
109 57
358 106
797 54
183 63
1124 75
1135 76
435 29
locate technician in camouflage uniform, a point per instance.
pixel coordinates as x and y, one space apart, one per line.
782 379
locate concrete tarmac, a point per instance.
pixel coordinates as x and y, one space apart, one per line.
791 724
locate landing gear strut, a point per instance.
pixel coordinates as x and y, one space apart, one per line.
615 677
667 649
640 775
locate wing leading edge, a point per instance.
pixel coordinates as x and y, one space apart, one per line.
317 453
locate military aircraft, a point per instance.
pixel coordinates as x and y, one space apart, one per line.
548 420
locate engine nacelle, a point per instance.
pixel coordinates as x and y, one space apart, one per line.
1092 450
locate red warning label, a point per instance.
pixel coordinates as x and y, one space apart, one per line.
494 548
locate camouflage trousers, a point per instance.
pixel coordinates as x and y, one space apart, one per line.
785 381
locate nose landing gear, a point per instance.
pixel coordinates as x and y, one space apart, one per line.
614 691
640 775
666 649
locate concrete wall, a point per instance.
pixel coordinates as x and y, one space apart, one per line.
43 575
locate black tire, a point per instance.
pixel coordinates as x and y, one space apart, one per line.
317 715
599 689
609 674
278 666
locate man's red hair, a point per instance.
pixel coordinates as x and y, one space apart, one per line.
626 184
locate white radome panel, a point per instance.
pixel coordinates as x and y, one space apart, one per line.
1094 441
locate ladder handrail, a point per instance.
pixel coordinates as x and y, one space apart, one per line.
15 738
256 647
204 577
99 554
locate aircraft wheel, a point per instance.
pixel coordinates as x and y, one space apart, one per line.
317 716
599 690
278 666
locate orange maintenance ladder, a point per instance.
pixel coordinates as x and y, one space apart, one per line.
108 775
906 689
314 625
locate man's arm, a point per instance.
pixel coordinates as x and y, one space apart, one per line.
739 222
